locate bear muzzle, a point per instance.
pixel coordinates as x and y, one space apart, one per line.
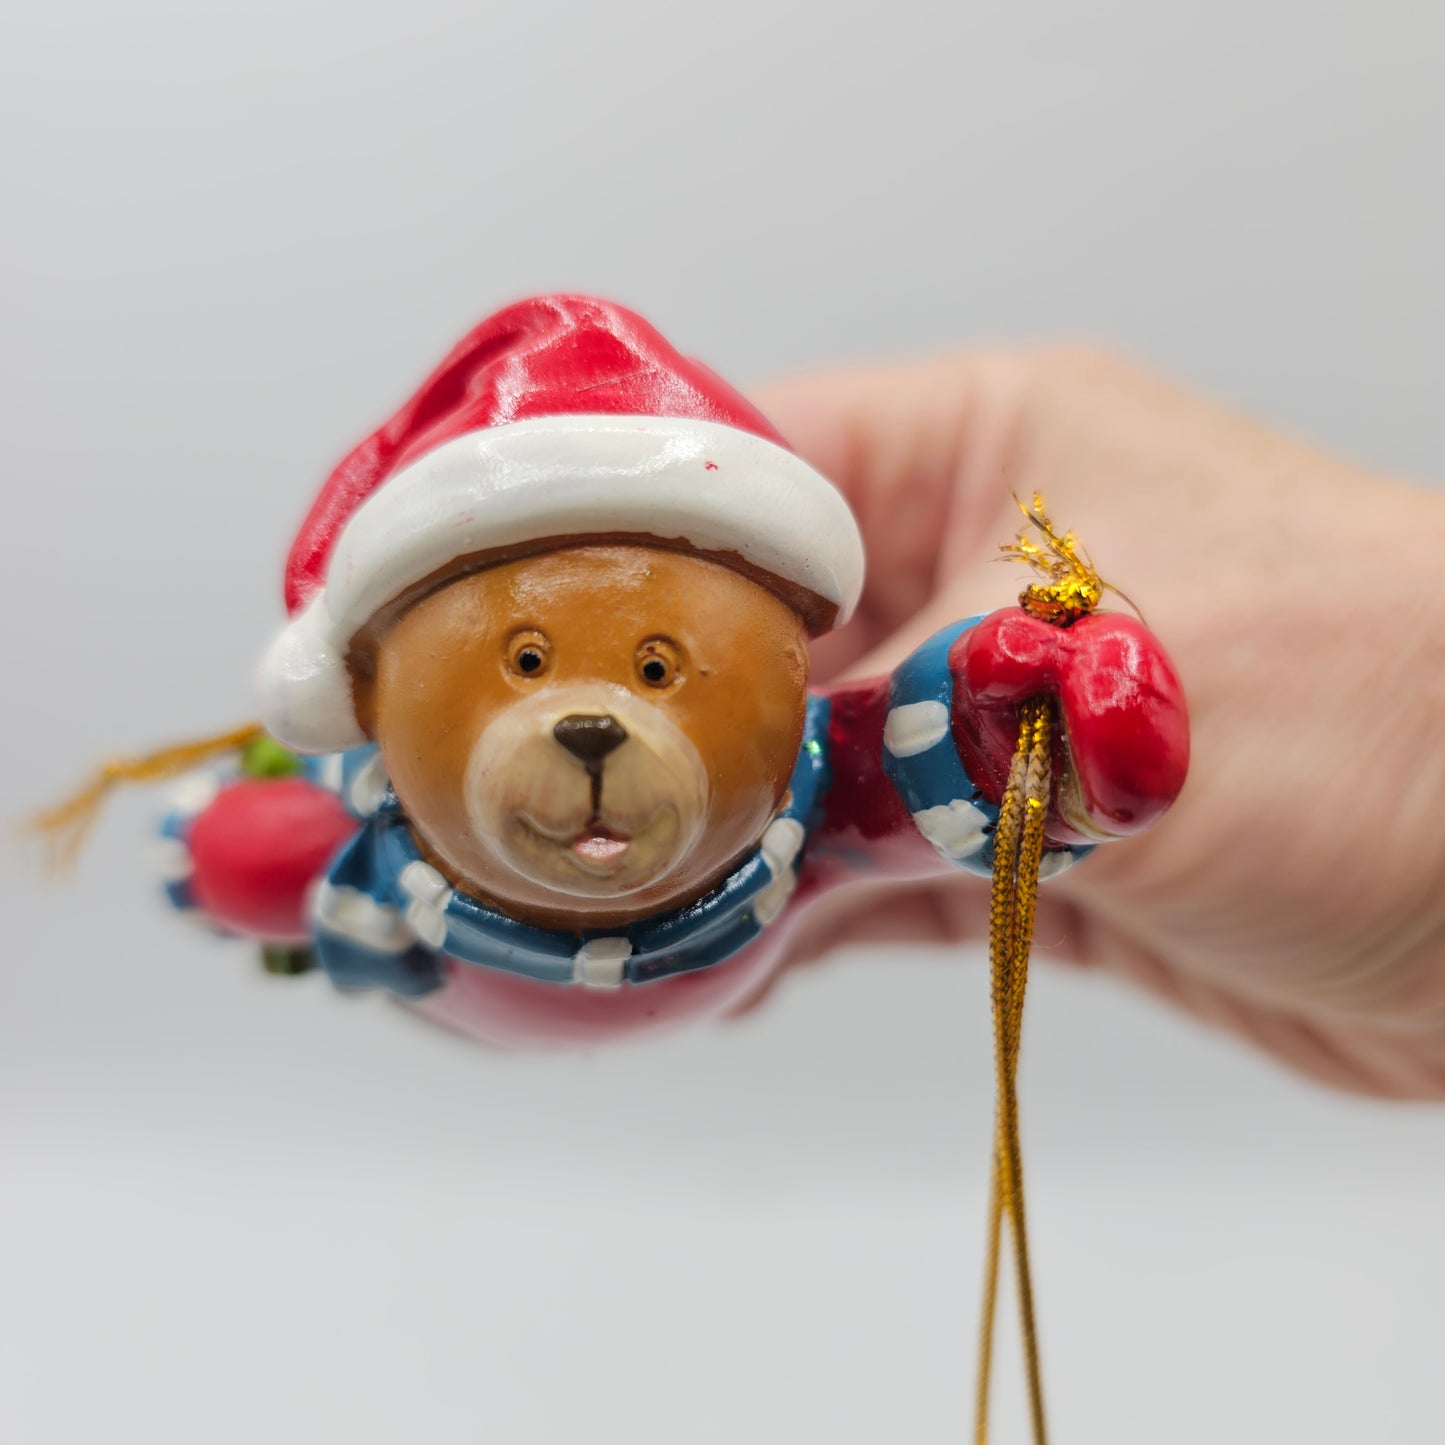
587 791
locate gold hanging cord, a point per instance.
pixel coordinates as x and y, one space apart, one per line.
1070 589
66 826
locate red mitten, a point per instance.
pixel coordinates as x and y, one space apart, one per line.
1124 748
258 847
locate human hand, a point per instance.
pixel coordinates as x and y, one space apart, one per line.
1295 894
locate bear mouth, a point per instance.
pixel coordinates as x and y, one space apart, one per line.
599 847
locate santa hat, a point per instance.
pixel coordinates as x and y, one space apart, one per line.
558 416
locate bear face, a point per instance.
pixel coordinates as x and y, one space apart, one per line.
590 735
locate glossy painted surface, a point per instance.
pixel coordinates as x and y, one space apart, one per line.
559 418
865 833
1125 721
537 358
476 743
1127 726
257 850
485 587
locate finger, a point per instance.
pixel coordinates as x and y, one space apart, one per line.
951 913
882 916
952 910
884 433
919 450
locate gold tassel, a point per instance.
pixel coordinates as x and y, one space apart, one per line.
65 827
1070 589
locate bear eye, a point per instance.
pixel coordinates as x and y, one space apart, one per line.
658 663
529 654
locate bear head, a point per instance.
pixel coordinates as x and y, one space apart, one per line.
589 734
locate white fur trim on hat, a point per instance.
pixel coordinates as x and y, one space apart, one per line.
715 487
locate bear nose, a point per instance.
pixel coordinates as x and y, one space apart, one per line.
589 738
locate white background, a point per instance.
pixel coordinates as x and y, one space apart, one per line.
235 1209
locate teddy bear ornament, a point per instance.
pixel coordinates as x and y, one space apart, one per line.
537 751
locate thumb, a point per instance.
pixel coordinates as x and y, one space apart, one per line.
923 452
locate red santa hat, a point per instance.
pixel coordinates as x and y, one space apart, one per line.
558 416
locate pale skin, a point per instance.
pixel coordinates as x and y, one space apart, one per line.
1295 894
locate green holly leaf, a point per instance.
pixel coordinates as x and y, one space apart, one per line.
266 758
